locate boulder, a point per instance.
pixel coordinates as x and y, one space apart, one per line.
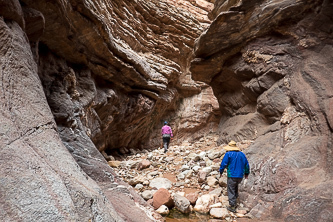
160 183
182 203
219 213
203 203
162 197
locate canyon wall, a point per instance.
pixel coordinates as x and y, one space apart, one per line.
270 66
83 77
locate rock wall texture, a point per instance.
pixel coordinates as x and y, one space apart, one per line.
270 66
79 77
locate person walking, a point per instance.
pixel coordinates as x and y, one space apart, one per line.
237 166
166 135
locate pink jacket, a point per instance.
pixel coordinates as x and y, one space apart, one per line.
166 130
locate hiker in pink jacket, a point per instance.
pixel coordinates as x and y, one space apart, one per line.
167 135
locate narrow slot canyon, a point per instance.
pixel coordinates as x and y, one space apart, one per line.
86 86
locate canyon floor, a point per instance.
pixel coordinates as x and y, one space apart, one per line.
186 170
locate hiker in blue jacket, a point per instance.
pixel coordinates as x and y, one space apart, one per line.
237 166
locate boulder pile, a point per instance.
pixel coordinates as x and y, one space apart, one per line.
186 178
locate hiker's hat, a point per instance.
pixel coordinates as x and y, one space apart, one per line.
231 146
165 122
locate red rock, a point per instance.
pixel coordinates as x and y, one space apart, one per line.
162 197
192 197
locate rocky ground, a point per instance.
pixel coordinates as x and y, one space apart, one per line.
185 178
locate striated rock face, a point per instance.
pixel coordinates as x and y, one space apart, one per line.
269 65
79 77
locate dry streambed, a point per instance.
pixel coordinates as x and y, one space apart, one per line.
185 178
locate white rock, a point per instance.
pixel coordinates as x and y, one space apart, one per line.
206 187
181 193
214 154
203 203
147 194
184 167
163 210
207 169
220 213
202 155
211 181
138 186
161 183
217 205
182 203
196 168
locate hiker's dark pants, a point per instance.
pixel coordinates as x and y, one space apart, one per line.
166 141
232 184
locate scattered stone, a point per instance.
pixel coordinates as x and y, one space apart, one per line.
163 210
223 181
143 164
220 213
161 183
211 181
147 194
192 197
207 169
182 203
196 168
214 154
217 205
138 186
202 176
114 164
162 197
136 180
216 191
203 203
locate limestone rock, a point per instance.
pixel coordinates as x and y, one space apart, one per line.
211 181
160 183
163 210
220 213
182 203
223 181
147 194
203 203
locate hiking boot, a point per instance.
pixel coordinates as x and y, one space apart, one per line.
232 208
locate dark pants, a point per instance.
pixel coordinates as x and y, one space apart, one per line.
166 141
233 190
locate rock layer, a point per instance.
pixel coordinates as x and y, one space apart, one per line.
268 65
88 76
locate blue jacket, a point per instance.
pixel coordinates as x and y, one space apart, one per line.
237 164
